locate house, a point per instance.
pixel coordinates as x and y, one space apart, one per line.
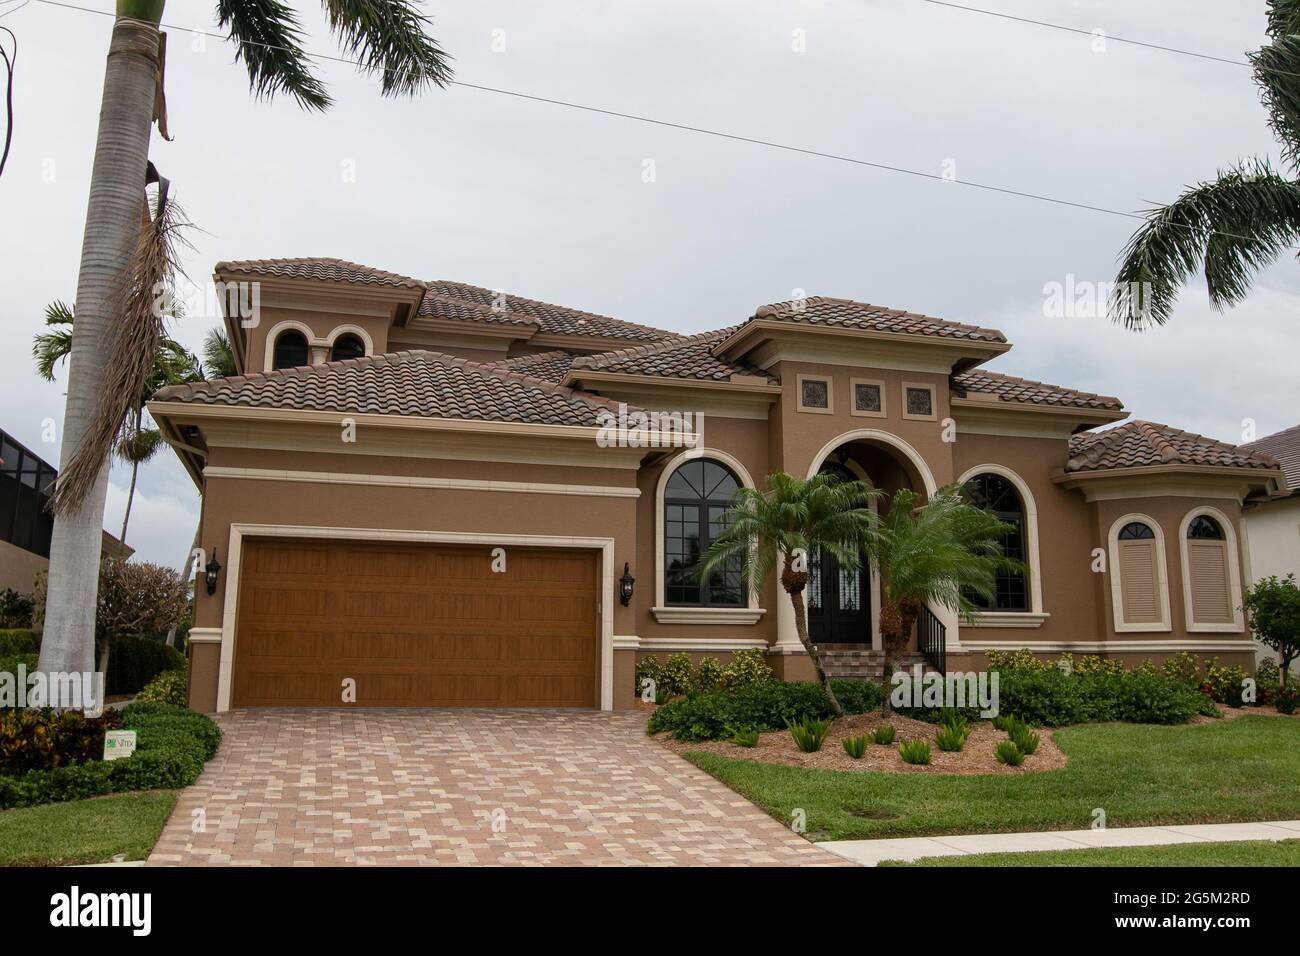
1272 525
431 493
25 524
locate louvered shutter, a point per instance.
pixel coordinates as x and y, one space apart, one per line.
1139 580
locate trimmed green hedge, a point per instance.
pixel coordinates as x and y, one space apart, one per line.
172 744
19 641
135 661
769 705
1052 698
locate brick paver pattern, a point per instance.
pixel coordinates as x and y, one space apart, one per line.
462 787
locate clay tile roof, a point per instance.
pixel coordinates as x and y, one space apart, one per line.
1009 388
1284 447
1137 444
421 384
690 357
548 366
845 313
329 270
456 300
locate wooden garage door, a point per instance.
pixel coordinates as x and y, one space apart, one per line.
415 625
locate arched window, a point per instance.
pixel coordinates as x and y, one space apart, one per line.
290 350
1210 583
347 346
1139 581
695 501
997 494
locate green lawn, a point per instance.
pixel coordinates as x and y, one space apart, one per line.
84 831
1242 769
1246 853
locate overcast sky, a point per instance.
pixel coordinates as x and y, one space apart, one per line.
552 203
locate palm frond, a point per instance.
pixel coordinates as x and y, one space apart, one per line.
270 44
52 347
138 447
388 37
1234 226
218 356
1283 18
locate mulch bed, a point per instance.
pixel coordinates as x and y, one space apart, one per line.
777 747
1230 713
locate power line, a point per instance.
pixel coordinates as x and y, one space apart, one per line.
699 130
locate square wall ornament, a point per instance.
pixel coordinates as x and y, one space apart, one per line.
868 397
918 401
815 394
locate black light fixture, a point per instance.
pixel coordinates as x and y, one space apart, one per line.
625 585
210 572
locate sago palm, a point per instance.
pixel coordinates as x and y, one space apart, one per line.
782 526
388 39
941 552
1234 225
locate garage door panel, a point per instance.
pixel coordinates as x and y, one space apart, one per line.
415 626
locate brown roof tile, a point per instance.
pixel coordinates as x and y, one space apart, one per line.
1009 388
548 366
845 313
329 270
1284 447
457 300
690 357
421 384
1137 444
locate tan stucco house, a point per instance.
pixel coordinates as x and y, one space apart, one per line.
416 495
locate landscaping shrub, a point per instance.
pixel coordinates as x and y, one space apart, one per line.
766 705
39 739
1051 698
952 736
169 687
1268 679
745 737
915 751
884 734
809 734
1008 753
1272 608
855 747
1020 660
675 676
1225 683
16 610
135 661
1287 698
19 641
1026 740
745 668
172 744
648 669
708 675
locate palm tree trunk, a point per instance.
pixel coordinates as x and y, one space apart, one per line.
117 185
794 583
135 471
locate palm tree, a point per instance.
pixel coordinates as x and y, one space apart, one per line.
1235 225
218 356
172 364
784 525
943 552
386 37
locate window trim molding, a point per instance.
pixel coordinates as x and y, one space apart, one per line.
853 398
1035 615
1116 585
750 613
934 401
830 393
274 333
1238 624
356 330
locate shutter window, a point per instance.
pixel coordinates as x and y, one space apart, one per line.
1139 581
1207 568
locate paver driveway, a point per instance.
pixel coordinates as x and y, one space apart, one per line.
462 787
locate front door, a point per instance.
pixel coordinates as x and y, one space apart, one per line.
839 600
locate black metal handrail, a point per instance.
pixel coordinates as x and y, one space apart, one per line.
932 640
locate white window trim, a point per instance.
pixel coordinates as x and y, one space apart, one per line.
853 398
934 402
268 360
1116 585
751 612
356 330
1234 571
1036 615
830 394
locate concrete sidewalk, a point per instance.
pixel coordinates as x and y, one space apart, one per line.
873 852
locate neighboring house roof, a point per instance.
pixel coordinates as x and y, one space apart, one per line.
550 366
1009 388
1137 444
457 300
690 357
846 313
1284 446
329 270
420 384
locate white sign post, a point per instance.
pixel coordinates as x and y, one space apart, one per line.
118 744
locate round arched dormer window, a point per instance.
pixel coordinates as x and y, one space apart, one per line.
290 350
347 346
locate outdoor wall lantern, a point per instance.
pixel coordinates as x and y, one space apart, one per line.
625 585
210 572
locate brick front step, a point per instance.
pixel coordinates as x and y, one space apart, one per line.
862 662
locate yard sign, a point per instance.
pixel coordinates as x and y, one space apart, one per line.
119 744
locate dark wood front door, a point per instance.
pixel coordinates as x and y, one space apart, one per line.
839 602
415 626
